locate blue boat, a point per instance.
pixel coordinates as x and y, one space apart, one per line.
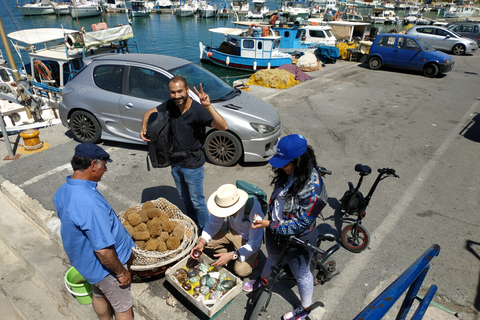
246 49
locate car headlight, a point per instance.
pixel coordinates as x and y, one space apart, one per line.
447 61
262 128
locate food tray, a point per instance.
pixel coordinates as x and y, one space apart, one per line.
209 307
146 260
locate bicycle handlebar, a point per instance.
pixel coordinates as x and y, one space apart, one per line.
304 244
388 171
323 171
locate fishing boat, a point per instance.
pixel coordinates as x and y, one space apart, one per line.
246 49
450 10
139 9
224 11
207 11
296 9
350 13
258 11
304 38
390 17
185 10
39 7
56 54
163 4
85 8
20 107
377 15
62 8
240 7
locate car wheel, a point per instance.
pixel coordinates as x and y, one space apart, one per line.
430 70
458 49
223 148
85 127
375 63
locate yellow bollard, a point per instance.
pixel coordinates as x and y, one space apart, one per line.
31 142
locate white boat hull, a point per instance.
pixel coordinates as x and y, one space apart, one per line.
61 10
82 12
35 10
184 13
207 13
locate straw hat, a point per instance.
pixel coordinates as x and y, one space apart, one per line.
227 200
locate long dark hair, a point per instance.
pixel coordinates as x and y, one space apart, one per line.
303 169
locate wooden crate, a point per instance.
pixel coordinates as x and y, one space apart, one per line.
210 309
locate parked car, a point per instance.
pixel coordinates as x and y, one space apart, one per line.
467 29
404 51
107 99
443 39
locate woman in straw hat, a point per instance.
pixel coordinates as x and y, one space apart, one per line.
236 240
296 201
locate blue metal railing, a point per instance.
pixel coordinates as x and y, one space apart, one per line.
411 279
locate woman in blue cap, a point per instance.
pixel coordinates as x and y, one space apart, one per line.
294 206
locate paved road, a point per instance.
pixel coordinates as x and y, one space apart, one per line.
350 115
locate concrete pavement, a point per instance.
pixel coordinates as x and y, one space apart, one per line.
31 181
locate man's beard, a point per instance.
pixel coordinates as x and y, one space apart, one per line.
180 101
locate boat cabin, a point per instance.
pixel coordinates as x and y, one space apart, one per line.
254 43
346 30
304 37
64 49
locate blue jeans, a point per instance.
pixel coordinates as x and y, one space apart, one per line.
189 184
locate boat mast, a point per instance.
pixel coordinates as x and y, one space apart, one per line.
8 51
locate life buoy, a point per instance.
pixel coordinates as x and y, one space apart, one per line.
336 16
253 25
43 70
70 41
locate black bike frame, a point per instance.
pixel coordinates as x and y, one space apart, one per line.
278 269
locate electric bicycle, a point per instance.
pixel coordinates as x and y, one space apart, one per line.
354 236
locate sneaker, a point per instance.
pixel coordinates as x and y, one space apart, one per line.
298 314
252 285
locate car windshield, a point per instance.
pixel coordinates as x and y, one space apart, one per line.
216 88
425 45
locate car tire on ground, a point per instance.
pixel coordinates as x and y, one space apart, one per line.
458 49
430 70
85 127
375 63
223 148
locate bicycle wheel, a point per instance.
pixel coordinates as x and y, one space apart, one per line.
355 239
261 299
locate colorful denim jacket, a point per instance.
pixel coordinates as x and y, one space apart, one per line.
300 211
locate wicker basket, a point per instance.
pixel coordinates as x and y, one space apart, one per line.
147 260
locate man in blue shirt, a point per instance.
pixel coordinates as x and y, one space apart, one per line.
93 237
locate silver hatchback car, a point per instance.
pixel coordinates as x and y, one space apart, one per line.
107 99
443 39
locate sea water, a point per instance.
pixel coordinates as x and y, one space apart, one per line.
163 34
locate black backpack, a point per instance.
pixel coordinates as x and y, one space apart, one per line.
160 145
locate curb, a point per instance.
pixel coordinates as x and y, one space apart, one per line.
46 220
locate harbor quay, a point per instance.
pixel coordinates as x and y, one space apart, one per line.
426 129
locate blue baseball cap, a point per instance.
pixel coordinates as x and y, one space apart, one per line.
288 148
92 151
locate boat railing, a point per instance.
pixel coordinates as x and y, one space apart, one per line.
411 279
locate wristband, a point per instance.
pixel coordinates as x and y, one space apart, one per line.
204 242
118 277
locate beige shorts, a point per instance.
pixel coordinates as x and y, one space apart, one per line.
119 297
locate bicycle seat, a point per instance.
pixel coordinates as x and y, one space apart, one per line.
364 170
326 232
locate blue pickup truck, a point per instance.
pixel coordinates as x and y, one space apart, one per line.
403 51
